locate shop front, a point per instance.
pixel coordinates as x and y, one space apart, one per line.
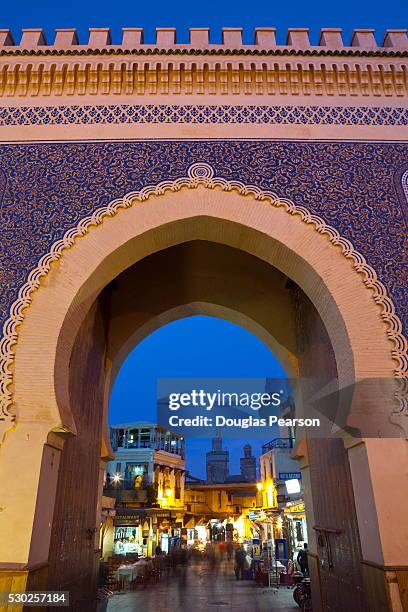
235 528
295 520
129 529
167 530
197 532
267 524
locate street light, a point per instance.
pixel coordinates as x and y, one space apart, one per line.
292 486
116 478
259 486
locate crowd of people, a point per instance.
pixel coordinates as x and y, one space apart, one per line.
180 556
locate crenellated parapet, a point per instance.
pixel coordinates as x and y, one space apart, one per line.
35 68
297 39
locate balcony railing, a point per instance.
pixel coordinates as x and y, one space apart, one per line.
278 443
153 444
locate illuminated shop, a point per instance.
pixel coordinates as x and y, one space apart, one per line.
129 524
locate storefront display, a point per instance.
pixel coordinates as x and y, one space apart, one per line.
164 542
295 518
126 540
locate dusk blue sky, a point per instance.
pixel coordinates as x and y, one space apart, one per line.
347 14
194 347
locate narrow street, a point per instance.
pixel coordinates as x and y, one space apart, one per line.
204 590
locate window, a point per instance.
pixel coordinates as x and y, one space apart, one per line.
121 437
135 474
167 439
237 510
144 438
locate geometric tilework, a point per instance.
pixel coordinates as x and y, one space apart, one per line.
201 114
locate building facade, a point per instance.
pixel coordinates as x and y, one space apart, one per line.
146 454
262 183
146 478
280 495
219 512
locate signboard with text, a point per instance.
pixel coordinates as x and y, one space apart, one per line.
295 508
290 475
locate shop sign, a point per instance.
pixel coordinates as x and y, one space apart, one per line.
126 521
290 475
161 515
295 508
254 515
128 517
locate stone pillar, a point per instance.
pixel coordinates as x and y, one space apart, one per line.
380 482
150 469
29 473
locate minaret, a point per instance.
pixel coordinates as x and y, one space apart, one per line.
217 462
248 464
217 443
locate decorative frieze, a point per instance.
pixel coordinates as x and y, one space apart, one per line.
115 114
34 68
174 75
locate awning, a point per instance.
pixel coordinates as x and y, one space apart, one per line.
189 521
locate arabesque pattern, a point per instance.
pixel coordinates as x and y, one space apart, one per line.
200 173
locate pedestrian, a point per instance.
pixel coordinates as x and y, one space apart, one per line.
303 560
182 559
239 562
229 548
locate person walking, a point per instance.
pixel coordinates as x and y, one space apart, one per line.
239 562
303 560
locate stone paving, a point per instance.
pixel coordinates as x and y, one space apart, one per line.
204 590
